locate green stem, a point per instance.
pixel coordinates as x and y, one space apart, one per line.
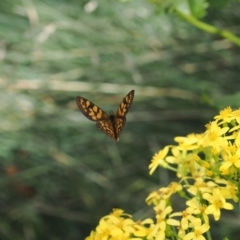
209 28
209 237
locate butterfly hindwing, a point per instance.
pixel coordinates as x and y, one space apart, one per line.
119 125
111 124
107 127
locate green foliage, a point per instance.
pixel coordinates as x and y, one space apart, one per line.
193 10
198 7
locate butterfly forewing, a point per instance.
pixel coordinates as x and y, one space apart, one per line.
90 110
111 124
125 105
120 117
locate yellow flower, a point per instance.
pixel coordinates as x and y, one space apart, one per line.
186 217
122 225
158 231
158 160
191 142
104 229
155 197
115 226
230 191
230 149
176 156
214 136
198 230
195 207
237 140
217 202
236 115
181 232
163 193
187 165
229 161
162 211
225 116
141 230
175 187
200 185
117 212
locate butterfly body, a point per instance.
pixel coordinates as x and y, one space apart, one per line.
111 124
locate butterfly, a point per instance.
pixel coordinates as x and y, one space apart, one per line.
111 124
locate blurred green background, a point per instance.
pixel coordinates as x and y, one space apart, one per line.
59 174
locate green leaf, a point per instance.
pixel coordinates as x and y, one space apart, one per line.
198 7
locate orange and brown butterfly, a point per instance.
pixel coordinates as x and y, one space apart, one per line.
111 124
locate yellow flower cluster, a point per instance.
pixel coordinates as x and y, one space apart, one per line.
120 226
208 167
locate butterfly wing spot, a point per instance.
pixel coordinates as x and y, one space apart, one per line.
122 109
95 108
84 104
88 103
95 113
